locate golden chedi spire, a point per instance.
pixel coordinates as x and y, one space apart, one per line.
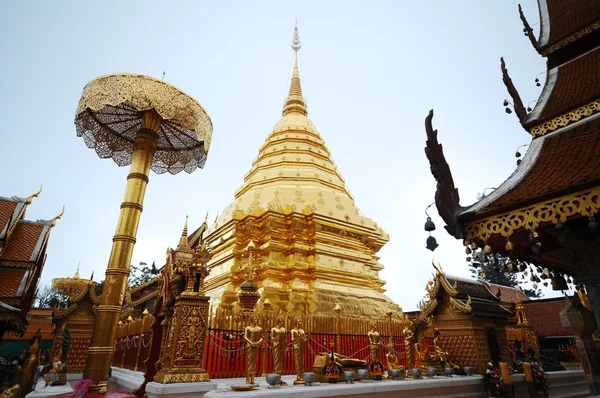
295 101
314 247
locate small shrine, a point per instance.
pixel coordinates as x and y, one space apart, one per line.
78 315
468 319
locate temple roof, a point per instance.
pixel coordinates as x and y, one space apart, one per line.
555 164
561 19
544 316
568 86
26 242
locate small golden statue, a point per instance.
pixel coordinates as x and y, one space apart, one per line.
408 347
279 338
299 339
13 392
392 358
375 342
421 352
444 356
30 367
253 337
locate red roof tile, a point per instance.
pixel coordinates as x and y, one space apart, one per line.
544 316
577 84
22 242
11 280
567 17
508 295
7 208
568 161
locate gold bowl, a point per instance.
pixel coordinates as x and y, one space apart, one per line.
243 387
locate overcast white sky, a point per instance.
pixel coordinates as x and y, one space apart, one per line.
370 73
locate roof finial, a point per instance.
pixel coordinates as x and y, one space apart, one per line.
296 40
35 195
295 101
53 221
76 276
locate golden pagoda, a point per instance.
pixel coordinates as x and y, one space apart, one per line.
312 247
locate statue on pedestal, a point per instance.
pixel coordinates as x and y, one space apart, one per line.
279 338
253 337
408 347
299 339
375 342
392 359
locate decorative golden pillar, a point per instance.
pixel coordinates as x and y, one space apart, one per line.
149 124
185 334
338 327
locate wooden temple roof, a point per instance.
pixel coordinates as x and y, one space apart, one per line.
558 179
556 164
560 19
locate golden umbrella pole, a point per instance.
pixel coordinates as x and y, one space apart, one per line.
150 124
107 314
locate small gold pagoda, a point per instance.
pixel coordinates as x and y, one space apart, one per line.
312 247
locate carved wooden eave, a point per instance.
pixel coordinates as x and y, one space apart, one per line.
446 194
514 94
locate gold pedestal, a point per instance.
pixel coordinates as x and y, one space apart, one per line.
183 342
108 312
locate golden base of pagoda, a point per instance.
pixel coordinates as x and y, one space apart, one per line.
182 376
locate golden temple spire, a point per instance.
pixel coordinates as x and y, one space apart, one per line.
76 276
295 101
183 245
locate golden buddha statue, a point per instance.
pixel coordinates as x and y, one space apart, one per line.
279 339
420 352
253 337
299 339
30 368
408 346
375 342
392 359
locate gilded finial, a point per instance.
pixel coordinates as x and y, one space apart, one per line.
296 40
55 219
92 276
206 217
295 101
35 195
163 76
76 276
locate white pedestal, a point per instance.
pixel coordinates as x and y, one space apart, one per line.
42 392
179 390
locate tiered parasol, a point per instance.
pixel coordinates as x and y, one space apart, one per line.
143 122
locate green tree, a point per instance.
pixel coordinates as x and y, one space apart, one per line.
139 274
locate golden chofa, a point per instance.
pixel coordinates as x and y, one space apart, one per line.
146 123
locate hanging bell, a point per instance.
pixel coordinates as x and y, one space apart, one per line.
468 250
487 249
536 248
517 154
507 110
429 225
559 225
535 285
518 162
469 259
508 246
593 224
431 243
546 284
474 246
505 103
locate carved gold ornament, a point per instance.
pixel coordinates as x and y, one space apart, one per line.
571 39
566 119
585 203
109 116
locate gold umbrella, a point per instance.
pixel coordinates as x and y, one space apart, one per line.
137 120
